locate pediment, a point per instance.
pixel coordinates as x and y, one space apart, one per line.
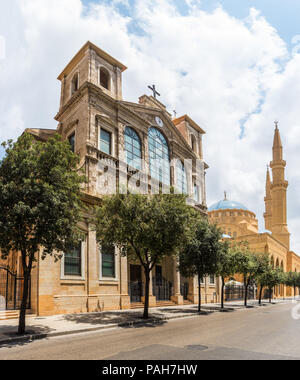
150 114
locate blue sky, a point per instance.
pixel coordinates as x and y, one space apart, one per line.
241 73
284 15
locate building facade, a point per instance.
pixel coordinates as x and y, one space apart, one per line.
120 144
239 223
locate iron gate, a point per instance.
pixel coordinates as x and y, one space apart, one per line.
162 289
136 291
237 292
11 290
184 290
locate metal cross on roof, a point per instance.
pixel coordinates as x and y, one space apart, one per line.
225 195
276 122
153 89
175 114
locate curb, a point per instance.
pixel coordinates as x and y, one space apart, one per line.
33 337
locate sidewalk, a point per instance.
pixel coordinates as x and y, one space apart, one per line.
43 327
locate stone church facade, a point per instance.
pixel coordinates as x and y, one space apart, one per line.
119 143
240 224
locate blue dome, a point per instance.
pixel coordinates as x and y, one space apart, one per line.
225 205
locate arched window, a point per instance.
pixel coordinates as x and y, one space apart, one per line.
104 78
181 177
75 83
272 262
133 151
277 263
159 157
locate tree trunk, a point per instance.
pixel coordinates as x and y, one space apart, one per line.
222 293
270 295
199 294
260 293
294 291
22 318
246 291
147 285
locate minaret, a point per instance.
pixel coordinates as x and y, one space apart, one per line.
278 192
268 202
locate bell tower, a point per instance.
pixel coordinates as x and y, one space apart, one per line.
278 190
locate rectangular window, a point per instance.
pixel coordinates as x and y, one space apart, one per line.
72 142
105 141
108 261
73 262
212 280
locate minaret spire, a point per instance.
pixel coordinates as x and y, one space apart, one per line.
278 190
277 144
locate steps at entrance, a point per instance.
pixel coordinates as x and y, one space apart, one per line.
7 314
165 303
12 314
186 302
136 305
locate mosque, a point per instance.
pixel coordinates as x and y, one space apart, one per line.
241 224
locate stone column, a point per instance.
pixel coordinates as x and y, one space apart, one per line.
193 290
177 297
92 269
123 278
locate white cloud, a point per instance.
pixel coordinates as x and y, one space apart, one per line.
218 69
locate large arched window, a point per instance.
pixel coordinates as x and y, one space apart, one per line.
159 157
181 177
133 151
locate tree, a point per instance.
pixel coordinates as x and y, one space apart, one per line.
292 279
200 255
249 264
39 202
264 267
226 266
145 228
271 278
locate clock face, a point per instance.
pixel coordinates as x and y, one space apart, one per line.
159 122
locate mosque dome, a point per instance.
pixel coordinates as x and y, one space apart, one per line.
227 205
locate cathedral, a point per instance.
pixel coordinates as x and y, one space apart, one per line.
240 224
120 144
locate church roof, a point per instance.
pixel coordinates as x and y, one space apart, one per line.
226 204
77 58
178 120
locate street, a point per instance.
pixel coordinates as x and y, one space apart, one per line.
259 333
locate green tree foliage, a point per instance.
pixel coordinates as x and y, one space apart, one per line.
227 266
145 228
292 279
39 202
271 278
201 253
249 264
264 266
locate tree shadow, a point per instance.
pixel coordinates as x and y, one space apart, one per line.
121 319
10 338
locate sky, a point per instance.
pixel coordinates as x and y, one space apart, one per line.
233 66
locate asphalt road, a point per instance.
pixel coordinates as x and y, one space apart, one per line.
264 333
